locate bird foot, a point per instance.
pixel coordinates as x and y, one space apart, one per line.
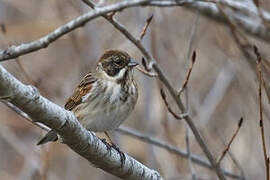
122 155
108 146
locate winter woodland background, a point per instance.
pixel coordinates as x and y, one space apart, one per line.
223 87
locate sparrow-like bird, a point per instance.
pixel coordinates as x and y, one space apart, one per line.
104 98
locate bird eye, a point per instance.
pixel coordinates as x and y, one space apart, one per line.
118 62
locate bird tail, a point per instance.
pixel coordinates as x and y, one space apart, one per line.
50 136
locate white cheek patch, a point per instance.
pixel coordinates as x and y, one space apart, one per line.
121 73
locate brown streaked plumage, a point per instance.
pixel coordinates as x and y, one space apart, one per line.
104 98
83 88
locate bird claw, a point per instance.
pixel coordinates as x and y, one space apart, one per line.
122 155
108 146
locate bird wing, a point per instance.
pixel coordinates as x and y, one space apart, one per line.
83 88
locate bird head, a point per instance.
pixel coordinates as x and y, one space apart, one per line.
116 64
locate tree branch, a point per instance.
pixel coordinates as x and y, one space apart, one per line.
63 123
138 135
244 13
174 94
80 21
16 51
157 142
66 125
245 16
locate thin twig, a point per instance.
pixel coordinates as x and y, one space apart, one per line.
147 73
190 44
233 158
157 142
230 142
193 173
193 59
144 63
179 117
148 21
24 115
259 60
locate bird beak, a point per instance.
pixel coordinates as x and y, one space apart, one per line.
132 63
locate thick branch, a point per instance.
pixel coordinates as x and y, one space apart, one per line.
16 51
143 137
245 16
74 135
243 13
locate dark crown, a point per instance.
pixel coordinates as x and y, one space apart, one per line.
113 61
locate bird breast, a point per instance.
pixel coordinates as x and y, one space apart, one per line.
107 105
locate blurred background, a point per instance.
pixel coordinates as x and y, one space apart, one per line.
223 87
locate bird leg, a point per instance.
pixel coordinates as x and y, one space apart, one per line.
122 155
110 140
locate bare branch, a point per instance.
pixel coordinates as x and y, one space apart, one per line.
179 117
16 51
230 142
73 134
148 21
243 13
144 63
174 94
193 173
259 60
250 23
187 130
232 156
24 115
138 135
157 142
147 73
193 59
80 21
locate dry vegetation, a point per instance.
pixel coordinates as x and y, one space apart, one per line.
223 87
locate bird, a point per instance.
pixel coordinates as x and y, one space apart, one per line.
104 98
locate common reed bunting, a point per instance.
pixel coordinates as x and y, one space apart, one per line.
104 98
